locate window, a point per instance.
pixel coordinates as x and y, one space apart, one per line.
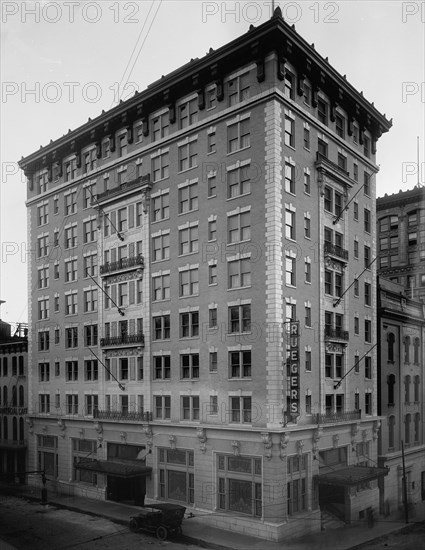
328 201
189 282
70 270
367 218
356 324
188 156
322 111
296 487
416 349
368 294
407 421
160 126
307 316
306 138
71 337
176 475
188 198
43 345
239 273
187 113
161 327
162 367
368 367
213 408
213 361
238 136
289 224
71 370
239 319
356 248
44 372
290 263
160 166
307 272
71 237
391 384
289 178
342 161
289 83
212 317
189 324
238 89
161 247
161 207
43 180
340 125
188 240
43 308
91 372
123 370
368 403
70 203
289 131
239 227
43 246
322 148
407 349
43 277
89 161
367 257
90 335
71 305
44 403
240 409
72 404
368 331
212 185
161 287
307 93
391 341
43 214
307 226
307 183
366 146
189 363
240 364
90 300
212 274
90 265
211 98
122 145
308 360
239 485
356 172
190 407
211 143
212 230
70 169
238 182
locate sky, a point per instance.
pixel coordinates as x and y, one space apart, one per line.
63 62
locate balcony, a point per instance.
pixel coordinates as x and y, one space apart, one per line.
123 416
123 340
338 416
336 251
337 173
13 444
332 333
123 264
124 187
14 410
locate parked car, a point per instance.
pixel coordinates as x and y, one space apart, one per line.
160 519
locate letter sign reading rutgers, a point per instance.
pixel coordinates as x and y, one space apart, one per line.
294 362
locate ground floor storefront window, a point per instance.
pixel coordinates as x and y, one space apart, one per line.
176 475
297 483
84 449
239 484
47 455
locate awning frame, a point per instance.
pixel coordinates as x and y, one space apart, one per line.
123 470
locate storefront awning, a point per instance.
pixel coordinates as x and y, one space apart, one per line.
117 469
352 475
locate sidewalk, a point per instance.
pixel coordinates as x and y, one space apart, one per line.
196 532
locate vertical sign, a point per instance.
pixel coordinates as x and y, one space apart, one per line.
294 368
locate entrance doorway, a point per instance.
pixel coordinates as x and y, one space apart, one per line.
127 490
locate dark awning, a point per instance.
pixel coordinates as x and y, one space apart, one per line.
352 475
118 469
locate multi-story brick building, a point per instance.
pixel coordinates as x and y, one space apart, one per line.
231 208
401 393
13 401
401 239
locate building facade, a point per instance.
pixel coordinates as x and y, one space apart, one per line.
401 397
201 318
13 402
401 242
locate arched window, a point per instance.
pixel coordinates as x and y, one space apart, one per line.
417 425
407 389
14 396
391 383
21 429
15 428
14 365
391 340
416 346
21 396
407 349
391 424
5 428
416 383
21 365
4 396
4 366
407 420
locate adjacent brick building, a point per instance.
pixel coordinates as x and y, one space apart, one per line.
197 329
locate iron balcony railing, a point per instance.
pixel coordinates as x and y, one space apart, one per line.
336 416
332 333
117 416
336 250
124 263
322 158
123 340
127 186
13 410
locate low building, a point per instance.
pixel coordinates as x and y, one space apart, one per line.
401 363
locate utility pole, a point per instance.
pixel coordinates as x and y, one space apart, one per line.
406 512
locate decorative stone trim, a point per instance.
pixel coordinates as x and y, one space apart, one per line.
236 448
284 440
172 440
201 434
268 444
